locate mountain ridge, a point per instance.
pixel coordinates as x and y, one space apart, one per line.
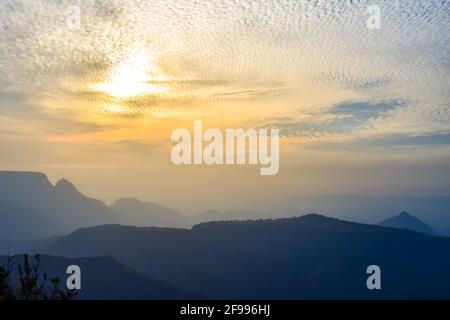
309 257
143 213
404 220
104 277
31 198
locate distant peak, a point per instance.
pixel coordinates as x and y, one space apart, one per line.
63 182
404 214
404 220
65 185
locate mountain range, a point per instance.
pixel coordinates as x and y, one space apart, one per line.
310 257
32 208
59 207
167 255
132 211
433 210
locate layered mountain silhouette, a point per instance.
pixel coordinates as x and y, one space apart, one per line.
62 208
105 278
433 210
23 223
132 211
406 221
308 257
12 247
31 207
311 257
61 205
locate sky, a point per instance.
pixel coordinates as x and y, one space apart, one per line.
360 110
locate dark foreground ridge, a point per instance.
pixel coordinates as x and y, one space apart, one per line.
104 278
311 257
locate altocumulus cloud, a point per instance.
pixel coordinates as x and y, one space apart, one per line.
347 118
291 43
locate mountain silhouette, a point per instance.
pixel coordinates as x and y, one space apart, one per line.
62 204
106 278
132 211
66 187
31 207
22 223
308 257
311 257
218 215
406 221
373 209
12 247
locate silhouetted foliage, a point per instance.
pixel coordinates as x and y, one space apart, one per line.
5 290
31 283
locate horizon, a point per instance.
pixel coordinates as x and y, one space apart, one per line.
328 205
55 181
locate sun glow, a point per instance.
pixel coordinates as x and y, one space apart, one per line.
132 77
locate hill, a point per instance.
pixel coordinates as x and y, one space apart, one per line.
132 211
406 221
311 257
62 205
31 208
105 278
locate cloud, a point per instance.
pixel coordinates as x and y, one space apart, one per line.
245 52
391 141
364 110
16 108
347 118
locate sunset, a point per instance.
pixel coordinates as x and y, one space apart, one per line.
180 114
107 93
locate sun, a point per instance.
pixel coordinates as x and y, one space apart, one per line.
132 77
